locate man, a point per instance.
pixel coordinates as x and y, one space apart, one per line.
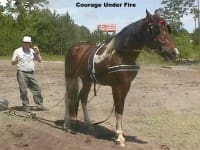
24 58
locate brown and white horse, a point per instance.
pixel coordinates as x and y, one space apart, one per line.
116 70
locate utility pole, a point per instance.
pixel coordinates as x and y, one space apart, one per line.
198 18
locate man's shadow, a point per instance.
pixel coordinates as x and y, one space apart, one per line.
96 131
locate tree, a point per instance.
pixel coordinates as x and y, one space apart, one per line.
196 34
54 33
10 33
30 5
174 10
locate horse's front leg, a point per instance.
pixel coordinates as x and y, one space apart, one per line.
119 95
84 97
67 116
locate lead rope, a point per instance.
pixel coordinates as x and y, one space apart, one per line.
29 115
48 85
96 123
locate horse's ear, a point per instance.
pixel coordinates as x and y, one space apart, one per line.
148 15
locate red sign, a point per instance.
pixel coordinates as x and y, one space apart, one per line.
107 27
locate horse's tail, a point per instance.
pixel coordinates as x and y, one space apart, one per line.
72 86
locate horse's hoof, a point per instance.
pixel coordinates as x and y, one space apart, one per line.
65 127
73 132
121 143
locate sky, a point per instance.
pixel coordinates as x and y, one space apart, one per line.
90 17
121 16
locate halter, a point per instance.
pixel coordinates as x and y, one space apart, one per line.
155 29
152 27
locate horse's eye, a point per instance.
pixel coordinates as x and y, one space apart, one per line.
150 26
157 30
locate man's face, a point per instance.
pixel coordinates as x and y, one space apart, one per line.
26 45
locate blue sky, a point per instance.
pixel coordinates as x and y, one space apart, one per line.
121 16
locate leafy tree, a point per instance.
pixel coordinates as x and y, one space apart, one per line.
195 37
82 33
174 10
30 5
9 34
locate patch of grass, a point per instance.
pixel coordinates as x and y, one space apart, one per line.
5 57
178 130
45 57
53 57
152 58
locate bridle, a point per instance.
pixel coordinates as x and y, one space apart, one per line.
153 30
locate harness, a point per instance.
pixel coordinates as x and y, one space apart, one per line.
111 69
118 68
91 67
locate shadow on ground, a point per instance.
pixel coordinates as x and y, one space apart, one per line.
97 131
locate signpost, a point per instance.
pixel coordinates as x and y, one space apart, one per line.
107 28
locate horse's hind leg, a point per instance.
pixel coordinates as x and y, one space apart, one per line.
84 97
71 100
119 95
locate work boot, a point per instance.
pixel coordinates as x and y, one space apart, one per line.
27 109
41 107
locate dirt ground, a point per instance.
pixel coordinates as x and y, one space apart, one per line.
161 112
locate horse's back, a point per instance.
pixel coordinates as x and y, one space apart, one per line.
77 57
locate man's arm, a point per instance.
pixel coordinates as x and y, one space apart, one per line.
14 59
14 62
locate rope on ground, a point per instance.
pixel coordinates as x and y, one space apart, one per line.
30 115
100 122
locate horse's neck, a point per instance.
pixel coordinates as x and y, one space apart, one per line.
132 37
130 57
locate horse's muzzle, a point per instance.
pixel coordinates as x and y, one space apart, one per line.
170 54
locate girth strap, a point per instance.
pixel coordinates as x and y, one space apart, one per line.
118 68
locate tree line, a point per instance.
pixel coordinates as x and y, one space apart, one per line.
55 33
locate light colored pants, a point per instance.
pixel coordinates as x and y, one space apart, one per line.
27 80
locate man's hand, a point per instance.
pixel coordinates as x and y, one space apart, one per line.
15 61
36 49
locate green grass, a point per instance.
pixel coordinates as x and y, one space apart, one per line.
186 48
45 57
178 130
144 57
152 58
5 57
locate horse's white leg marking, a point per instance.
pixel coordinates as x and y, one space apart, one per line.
85 113
176 51
119 131
107 52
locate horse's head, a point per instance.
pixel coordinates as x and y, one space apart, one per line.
157 36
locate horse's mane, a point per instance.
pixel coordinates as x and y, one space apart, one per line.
133 33
132 28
